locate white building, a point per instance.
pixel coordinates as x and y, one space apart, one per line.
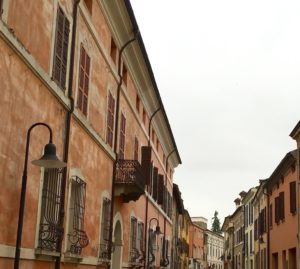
215 250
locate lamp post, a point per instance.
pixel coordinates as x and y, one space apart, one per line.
157 232
48 160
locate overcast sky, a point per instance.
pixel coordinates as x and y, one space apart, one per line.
229 76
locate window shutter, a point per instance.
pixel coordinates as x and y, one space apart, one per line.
146 163
61 49
293 207
136 149
133 232
83 85
110 120
277 210
141 236
122 137
271 215
255 230
160 194
155 183
281 210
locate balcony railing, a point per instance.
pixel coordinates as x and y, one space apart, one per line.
129 180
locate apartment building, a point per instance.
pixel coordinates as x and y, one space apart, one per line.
249 228
185 243
215 250
198 239
197 250
81 68
283 222
178 211
228 231
260 214
237 219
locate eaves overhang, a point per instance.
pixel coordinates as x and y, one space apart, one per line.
147 61
285 164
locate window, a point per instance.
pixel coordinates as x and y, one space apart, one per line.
83 85
293 206
133 237
113 51
61 49
277 218
110 120
136 149
251 238
140 237
49 222
281 208
137 104
105 224
89 5
271 215
144 116
157 144
76 234
1 8
122 137
124 74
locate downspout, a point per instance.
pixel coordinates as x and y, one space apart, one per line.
136 32
68 131
147 198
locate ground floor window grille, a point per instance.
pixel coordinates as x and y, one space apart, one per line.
105 225
77 236
49 230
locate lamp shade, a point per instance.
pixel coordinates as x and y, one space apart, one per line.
49 159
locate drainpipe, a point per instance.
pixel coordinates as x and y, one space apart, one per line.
147 198
67 138
136 32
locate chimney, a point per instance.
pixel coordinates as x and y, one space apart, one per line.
295 134
243 194
237 202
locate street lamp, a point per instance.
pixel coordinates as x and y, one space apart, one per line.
48 160
156 232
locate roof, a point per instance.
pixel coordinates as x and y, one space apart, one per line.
261 185
288 160
151 74
295 130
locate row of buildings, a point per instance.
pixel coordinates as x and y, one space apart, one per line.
78 71
263 231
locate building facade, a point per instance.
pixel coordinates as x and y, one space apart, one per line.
82 68
178 211
215 250
249 228
237 219
260 214
228 231
283 222
197 251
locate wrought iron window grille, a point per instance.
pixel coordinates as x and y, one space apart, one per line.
77 237
50 231
105 245
105 249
